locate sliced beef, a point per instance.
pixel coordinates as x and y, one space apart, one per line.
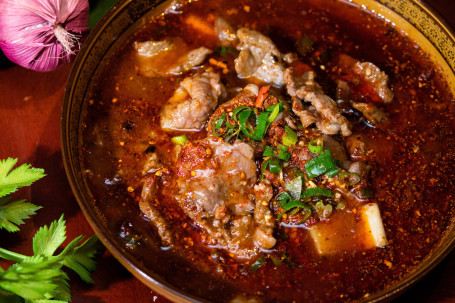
166 58
370 111
367 81
326 114
215 181
226 33
259 57
192 103
146 205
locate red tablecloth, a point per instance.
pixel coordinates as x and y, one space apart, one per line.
30 105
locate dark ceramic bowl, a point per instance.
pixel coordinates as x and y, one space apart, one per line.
413 17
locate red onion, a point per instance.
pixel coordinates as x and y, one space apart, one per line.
42 34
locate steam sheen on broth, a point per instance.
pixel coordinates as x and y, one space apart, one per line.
279 151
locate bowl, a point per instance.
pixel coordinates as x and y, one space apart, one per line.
413 17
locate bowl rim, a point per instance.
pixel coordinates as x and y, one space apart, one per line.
130 263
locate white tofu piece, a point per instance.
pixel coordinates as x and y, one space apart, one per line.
372 216
358 229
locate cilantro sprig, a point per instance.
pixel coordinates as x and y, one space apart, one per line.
13 212
39 278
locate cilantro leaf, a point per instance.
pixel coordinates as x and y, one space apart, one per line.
34 278
13 212
11 180
47 240
80 258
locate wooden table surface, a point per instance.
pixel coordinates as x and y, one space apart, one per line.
30 106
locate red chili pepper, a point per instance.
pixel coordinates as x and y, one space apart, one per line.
262 95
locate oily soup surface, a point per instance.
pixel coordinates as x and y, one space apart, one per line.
409 156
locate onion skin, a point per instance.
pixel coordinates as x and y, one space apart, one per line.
42 34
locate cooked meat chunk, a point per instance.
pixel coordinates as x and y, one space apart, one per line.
259 57
215 181
192 103
146 205
329 119
357 147
225 32
265 222
336 148
376 78
306 115
359 168
373 114
166 58
366 80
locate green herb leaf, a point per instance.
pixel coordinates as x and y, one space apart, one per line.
13 212
179 140
295 187
81 258
47 240
34 279
11 180
310 192
290 138
324 163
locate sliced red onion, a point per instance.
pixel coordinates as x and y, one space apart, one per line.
42 34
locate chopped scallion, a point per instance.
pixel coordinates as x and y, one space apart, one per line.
255 266
310 192
316 146
290 138
180 140
295 187
349 178
324 163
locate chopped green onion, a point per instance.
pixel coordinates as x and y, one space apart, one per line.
333 172
268 152
346 177
237 110
290 138
255 266
295 204
316 191
323 211
180 140
217 125
274 166
261 126
295 187
324 163
283 198
274 111
282 153
316 146
276 261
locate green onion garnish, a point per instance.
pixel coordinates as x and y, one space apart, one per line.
293 204
268 152
310 192
180 140
290 138
295 187
274 166
283 153
349 178
316 146
274 111
257 264
324 163
217 125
